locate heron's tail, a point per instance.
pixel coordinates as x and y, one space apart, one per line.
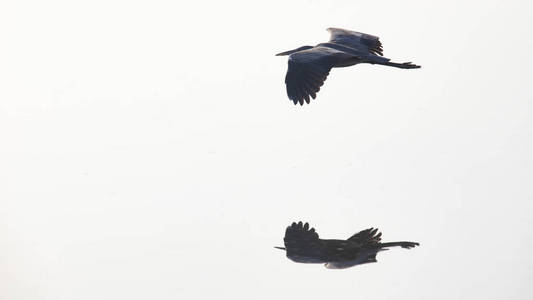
407 245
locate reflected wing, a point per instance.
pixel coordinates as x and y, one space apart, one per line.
303 244
353 39
308 69
366 237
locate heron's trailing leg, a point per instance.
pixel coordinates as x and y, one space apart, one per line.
407 245
405 65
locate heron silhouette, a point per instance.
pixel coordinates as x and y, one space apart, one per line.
309 66
303 245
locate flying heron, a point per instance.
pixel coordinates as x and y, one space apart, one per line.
309 66
304 246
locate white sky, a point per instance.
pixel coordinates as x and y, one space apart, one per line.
148 150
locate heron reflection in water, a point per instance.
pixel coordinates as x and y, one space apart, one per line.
303 245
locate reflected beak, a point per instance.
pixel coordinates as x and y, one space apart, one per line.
281 248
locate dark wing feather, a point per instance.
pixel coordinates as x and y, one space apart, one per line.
357 40
299 232
366 237
308 69
303 244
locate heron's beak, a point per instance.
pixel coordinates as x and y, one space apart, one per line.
280 248
285 53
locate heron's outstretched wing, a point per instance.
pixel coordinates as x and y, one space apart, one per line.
357 40
308 69
303 244
366 237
